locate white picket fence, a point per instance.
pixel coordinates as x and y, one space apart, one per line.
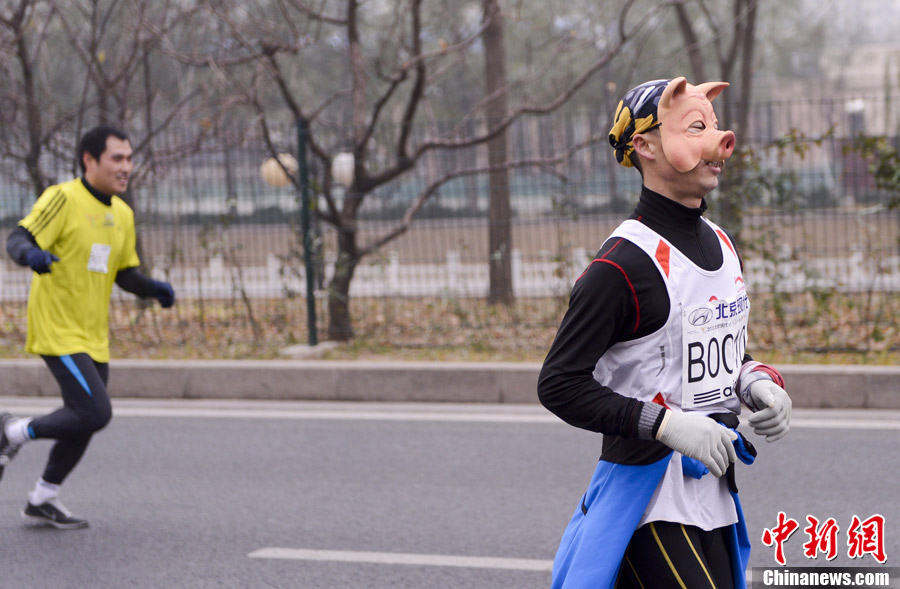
455 278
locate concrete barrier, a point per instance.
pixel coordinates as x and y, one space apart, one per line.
810 386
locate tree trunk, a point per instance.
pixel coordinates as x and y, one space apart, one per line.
738 116
340 324
733 107
745 96
499 210
692 44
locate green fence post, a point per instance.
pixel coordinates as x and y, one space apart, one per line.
302 139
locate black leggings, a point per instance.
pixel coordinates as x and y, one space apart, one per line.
86 409
665 555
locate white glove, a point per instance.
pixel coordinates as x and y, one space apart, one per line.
699 437
773 421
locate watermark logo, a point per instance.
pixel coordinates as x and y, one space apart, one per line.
798 577
864 537
867 537
778 535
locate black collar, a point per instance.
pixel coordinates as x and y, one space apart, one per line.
101 196
656 209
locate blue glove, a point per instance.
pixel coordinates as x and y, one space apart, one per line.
40 260
164 293
744 450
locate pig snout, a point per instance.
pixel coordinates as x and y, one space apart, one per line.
726 145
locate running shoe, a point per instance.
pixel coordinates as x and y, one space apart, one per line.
53 513
7 449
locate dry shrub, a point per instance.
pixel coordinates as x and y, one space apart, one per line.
812 327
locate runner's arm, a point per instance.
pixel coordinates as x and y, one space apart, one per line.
602 311
18 243
135 282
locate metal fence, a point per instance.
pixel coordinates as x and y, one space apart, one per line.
814 226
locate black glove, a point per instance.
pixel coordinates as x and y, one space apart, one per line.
164 293
40 260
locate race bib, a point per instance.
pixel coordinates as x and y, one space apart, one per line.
714 340
99 260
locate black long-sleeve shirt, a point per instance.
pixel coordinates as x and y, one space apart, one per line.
614 302
20 240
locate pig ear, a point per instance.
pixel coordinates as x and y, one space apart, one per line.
712 89
675 87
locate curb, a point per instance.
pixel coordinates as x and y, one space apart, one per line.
810 386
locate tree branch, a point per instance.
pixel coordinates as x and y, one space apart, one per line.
691 43
415 96
429 190
316 15
557 102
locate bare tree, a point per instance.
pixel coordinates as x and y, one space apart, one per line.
361 75
69 65
500 288
733 42
27 123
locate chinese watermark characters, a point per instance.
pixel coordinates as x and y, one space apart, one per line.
863 537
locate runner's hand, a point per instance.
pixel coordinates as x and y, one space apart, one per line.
699 437
40 260
164 293
775 419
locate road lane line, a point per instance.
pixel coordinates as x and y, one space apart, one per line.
350 415
312 415
408 412
826 423
438 560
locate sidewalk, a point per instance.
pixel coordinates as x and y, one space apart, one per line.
810 386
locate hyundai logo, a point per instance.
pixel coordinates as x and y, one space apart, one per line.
701 316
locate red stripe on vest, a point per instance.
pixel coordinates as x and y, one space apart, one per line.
659 400
662 256
637 306
727 241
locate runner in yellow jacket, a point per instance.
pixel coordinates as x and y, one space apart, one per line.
79 239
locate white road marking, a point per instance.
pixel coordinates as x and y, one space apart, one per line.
825 423
437 560
408 412
304 410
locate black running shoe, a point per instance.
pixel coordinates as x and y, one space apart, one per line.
7 449
53 513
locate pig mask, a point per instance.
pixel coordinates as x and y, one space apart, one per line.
687 128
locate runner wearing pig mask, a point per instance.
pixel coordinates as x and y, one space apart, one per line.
651 353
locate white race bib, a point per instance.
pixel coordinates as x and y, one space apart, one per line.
99 260
715 337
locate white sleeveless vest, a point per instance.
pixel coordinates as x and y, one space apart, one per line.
690 364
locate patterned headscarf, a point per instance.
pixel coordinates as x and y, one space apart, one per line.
635 114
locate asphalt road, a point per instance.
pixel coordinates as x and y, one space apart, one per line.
230 494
